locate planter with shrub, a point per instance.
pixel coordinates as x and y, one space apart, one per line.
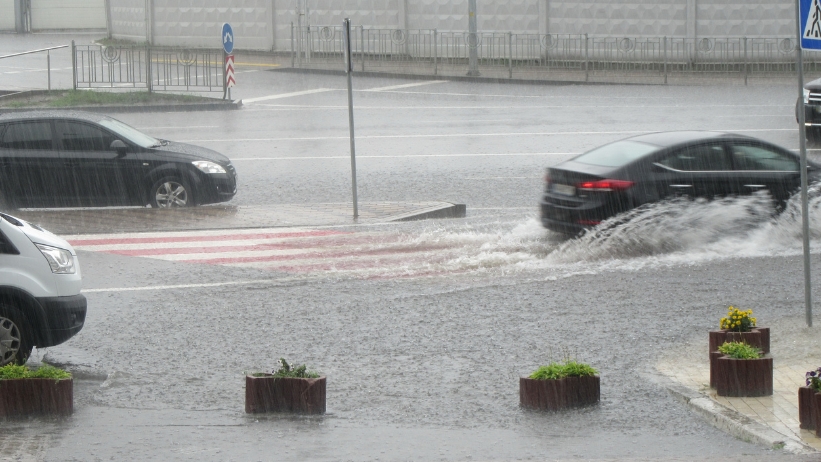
560 386
43 391
740 327
809 412
289 389
742 370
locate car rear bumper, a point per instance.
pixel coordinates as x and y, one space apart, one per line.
65 316
561 220
812 115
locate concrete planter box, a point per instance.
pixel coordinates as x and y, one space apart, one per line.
553 395
744 377
758 337
807 408
24 397
266 393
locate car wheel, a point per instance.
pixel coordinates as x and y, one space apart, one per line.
15 345
171 192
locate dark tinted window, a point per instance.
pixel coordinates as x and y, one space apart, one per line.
27 135
76 136
699 159
760 158
616 154
6 246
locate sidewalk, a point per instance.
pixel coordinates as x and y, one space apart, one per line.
141 219
425 69
767 420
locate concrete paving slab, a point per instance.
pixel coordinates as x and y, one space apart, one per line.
139 219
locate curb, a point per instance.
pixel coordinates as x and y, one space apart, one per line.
736 424
454 211
215 106
454 78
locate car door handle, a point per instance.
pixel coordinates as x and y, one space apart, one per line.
71 164
681 186
755 186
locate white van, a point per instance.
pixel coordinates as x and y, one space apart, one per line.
40 282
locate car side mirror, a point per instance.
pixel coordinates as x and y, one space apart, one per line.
119 146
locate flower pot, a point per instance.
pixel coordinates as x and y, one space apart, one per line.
23 397
807 408
758 337
267 393
816 412
744 377
553 395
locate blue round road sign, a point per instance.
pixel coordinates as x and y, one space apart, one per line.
227 38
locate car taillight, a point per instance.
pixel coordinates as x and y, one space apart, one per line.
547 177
589 222
605 185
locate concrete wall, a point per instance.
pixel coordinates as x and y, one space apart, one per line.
7 15
67 14
266 24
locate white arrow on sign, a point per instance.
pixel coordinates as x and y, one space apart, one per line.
227 38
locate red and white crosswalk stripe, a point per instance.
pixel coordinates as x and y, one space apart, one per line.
294 250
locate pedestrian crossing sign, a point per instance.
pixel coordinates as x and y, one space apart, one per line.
810 24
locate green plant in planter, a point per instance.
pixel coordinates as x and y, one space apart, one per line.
286 370
737 320
814 379
738 350
568 368
13 371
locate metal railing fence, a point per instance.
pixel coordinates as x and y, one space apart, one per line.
156 69
48 58
428 51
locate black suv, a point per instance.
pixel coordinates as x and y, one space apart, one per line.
73 158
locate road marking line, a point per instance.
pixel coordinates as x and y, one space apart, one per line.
257 64
407 85
286 95
194 286
81 243
466 135
347 157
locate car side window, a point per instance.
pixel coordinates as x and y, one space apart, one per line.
747 157
27 135
76 136
711 157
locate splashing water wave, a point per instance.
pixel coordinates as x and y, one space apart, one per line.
677 231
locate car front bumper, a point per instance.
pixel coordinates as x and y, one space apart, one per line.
65 316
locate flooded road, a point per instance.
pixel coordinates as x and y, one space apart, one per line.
424 328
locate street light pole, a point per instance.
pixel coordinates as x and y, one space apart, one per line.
472 41
802 145
346 30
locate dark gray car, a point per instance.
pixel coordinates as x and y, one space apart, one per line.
586 190
73 158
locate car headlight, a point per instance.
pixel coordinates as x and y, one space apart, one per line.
806 96
208 167
60 260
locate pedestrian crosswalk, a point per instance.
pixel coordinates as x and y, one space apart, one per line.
292 250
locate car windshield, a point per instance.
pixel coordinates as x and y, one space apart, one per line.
616 154
130 133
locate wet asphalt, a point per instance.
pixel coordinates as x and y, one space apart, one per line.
419 368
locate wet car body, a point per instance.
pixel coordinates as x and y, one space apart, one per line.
583 191
74 158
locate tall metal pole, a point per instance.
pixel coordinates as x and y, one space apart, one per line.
346 30
802 140
473 40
